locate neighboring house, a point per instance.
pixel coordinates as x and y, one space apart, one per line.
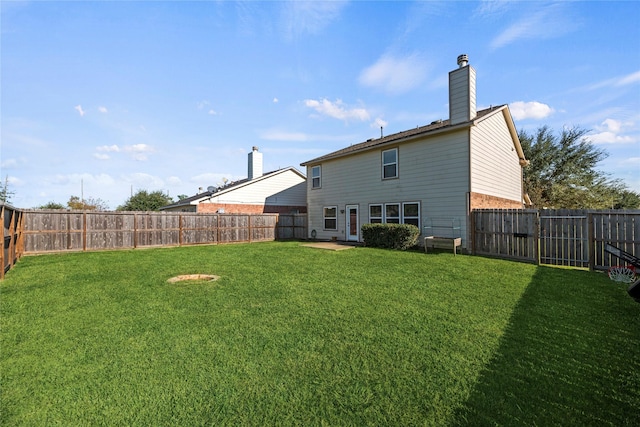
280 191
431 176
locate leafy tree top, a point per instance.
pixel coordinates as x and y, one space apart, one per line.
146 201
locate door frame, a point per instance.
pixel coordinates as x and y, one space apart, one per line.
349 237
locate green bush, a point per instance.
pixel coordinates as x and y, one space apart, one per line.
392 236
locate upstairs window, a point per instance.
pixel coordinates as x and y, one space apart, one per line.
330 215
390 163
316 175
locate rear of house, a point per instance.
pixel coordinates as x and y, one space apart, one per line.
430 176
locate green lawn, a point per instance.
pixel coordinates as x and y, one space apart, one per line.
291 335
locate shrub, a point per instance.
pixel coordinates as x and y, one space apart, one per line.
392 236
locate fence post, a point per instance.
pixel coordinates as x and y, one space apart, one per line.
591 241
84 231
536 239
2 260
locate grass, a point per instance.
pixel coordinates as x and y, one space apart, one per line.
291 335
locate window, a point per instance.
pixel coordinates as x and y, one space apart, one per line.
330 218
375 214
390 163
411 213
316 173
392 213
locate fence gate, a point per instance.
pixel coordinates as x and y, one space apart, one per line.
564 239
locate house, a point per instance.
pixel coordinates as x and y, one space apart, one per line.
280 191
431 176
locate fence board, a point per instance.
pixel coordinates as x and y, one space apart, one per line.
508 233
54 231
574 238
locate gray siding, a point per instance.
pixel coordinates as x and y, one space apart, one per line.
495 167
432 171
462 95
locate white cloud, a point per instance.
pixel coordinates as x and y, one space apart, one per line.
378 123
395 75
548 22
610 133
79 109
9 163
280 135
275 100
108 148
139 151
144 181
103 110
310 17
212 113
617 81
337 110
521 110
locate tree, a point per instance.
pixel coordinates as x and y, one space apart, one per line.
562 172
88 204
146 201
52 205
5 193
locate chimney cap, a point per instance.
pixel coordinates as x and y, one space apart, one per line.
463 60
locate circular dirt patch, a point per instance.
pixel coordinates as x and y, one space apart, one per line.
203 277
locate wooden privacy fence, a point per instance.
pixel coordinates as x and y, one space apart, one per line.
55 231
13 246
565 237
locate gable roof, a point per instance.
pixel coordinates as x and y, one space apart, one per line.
436 127
230 187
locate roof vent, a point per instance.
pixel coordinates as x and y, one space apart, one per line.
463 60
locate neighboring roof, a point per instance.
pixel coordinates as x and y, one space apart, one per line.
230 187
435 127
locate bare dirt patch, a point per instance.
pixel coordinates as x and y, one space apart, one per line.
194 277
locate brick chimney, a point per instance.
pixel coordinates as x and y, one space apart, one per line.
255 164
462 92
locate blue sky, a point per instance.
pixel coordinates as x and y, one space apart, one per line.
107 98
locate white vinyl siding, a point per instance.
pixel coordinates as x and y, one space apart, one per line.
286 188
495 166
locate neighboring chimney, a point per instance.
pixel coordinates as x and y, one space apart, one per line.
462 92
255 164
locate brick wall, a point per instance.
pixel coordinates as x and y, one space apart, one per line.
484 201
249 209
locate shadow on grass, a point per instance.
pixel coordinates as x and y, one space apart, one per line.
570 356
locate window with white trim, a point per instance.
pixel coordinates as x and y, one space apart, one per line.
330 217
375 214
411 213
390 163
316 175
392 213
